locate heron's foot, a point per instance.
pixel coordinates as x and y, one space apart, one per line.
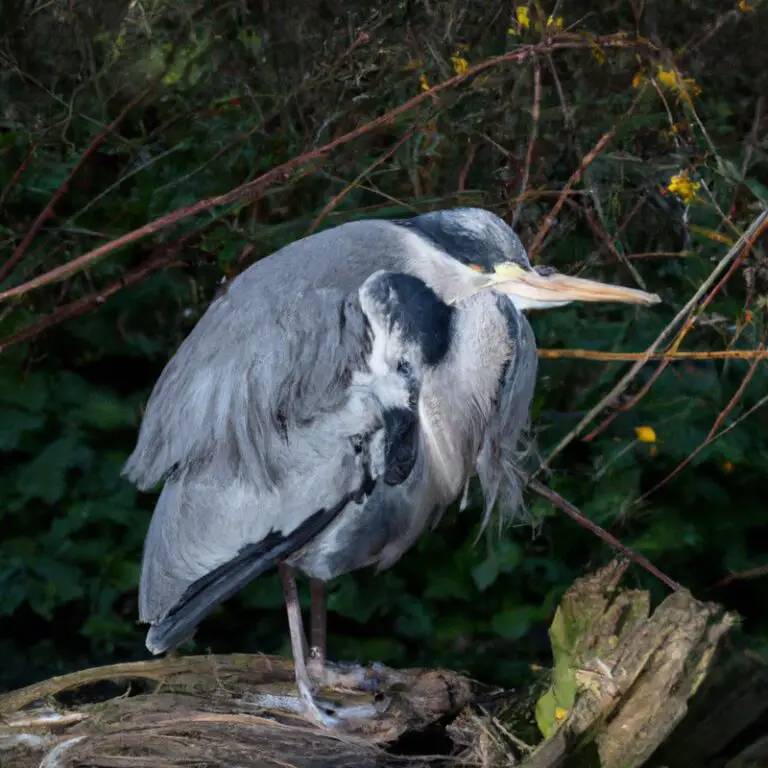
319 674
330 715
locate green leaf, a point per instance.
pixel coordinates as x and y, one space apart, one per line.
14 424
103 410
513 622
486 573
45 477
546 714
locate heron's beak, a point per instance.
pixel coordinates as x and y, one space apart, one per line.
536 291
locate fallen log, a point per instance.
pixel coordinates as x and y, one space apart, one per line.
627 683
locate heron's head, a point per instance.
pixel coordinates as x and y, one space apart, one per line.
494 257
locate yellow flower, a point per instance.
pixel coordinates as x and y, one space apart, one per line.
560 713
685 86
645 434
460 64
745 7
667 78
683 187
558 23
638 79
423 82
523 17
728 467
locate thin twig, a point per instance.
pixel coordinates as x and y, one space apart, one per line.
336 199
751 573
462 182
672 352
557 500
633 401
722 416
283 171
535 115
165 255
667 357
16 176
61 191
743 246
605 139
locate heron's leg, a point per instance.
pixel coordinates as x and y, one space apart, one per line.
328 717
295 622
317 629
299 646
323 672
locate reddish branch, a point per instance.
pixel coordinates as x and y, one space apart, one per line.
605 139
722 416
165 255
535 116
555 498
47 212
284 171
674 346
16 176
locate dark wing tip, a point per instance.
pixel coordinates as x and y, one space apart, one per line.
203 595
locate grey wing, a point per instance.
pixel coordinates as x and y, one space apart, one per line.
277 441
504 447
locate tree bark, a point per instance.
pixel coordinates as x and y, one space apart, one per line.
627 684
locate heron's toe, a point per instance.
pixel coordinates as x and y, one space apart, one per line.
355 677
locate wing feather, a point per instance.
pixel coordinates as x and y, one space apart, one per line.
289 439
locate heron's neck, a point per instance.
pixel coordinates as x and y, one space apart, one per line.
447 277
456 403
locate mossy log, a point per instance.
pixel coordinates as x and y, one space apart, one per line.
626 685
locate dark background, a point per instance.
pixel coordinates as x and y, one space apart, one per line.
234 89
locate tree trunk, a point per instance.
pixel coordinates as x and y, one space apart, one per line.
627 683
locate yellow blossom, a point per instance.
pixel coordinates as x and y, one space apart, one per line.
646 434
669 78
728 466
560 713
682 186
745 7
638 79
558 23
460 64
523 17
423 82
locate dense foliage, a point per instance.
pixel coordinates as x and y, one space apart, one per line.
206 97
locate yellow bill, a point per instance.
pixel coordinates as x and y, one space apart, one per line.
531 290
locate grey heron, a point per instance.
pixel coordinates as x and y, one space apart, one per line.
331 404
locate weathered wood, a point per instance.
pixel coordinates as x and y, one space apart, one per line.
624 679
635 671
215 710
